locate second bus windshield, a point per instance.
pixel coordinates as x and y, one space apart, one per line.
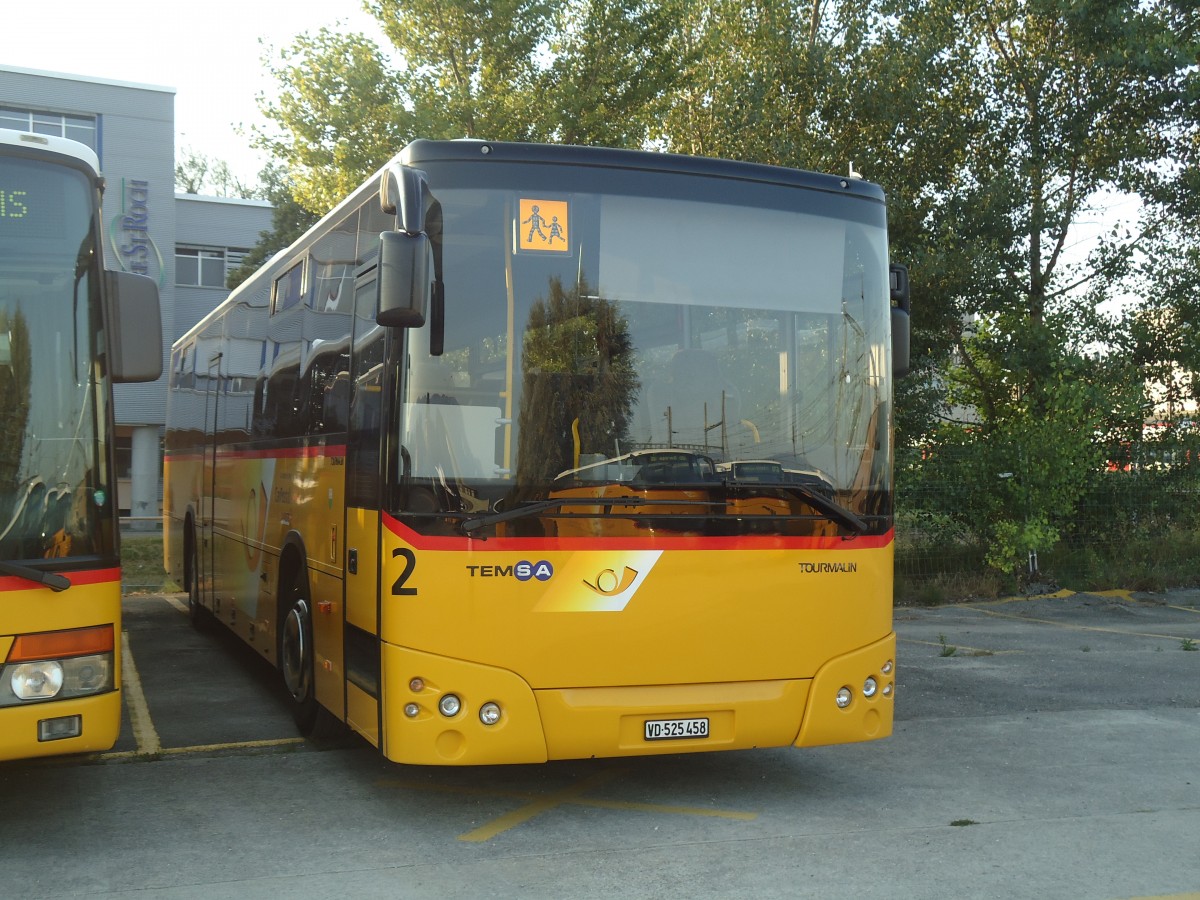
617 339
54 491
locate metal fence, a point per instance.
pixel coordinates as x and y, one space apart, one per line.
1136 523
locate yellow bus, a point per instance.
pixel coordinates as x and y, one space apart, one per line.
68 331
463 461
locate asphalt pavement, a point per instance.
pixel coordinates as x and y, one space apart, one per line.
1044 747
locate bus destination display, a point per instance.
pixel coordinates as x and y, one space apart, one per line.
33 200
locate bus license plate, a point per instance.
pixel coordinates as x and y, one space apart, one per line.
675 729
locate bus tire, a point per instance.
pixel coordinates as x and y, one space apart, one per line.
297 661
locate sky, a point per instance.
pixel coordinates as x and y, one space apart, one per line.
209 52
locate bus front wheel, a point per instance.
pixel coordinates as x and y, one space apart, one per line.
296 655
297 660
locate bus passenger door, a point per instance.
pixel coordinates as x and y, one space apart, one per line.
363 500
205 552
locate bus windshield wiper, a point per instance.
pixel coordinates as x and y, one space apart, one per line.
52 580
813 498
830 508
466 526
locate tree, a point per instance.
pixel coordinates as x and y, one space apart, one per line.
1058 101
340 115
472 68
616 64
577 377
289 220
195 173
588 71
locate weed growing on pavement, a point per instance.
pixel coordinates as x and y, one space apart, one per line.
142 565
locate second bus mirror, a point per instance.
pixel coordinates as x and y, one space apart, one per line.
901 306
135 328
405 279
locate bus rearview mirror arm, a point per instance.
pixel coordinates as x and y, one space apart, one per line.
404 191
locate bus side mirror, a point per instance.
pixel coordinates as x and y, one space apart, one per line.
901 327
135 341
404 280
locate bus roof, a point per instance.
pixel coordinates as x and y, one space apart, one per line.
424 151
50 144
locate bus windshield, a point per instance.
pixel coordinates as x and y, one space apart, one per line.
54 494
715 362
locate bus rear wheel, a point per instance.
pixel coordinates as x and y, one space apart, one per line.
200 617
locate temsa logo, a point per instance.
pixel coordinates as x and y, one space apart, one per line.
542 570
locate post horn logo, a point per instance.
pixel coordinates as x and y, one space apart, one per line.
608 585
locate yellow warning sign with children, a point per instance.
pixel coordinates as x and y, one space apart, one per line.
544 225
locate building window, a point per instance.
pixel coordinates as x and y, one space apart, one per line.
206 266
123 453
77 128
198 267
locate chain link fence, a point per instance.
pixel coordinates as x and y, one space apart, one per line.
1136 525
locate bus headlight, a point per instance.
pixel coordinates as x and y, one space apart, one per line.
37 680
844 696
57 679
870 686
449 705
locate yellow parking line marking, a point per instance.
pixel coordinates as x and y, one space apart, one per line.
1071 627
960 649
1195 612
177 603
537 807
203 748
572 795
135 699
672 810
1065 594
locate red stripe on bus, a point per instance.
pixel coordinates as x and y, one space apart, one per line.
94 576
743 542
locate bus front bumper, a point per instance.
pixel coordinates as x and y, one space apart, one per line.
436 712
33 729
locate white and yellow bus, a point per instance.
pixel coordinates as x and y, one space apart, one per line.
463 461
68 331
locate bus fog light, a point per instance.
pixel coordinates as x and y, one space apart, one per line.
449 705
870 686
60 728
844 696
489 713
887 689
37 680
412 710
